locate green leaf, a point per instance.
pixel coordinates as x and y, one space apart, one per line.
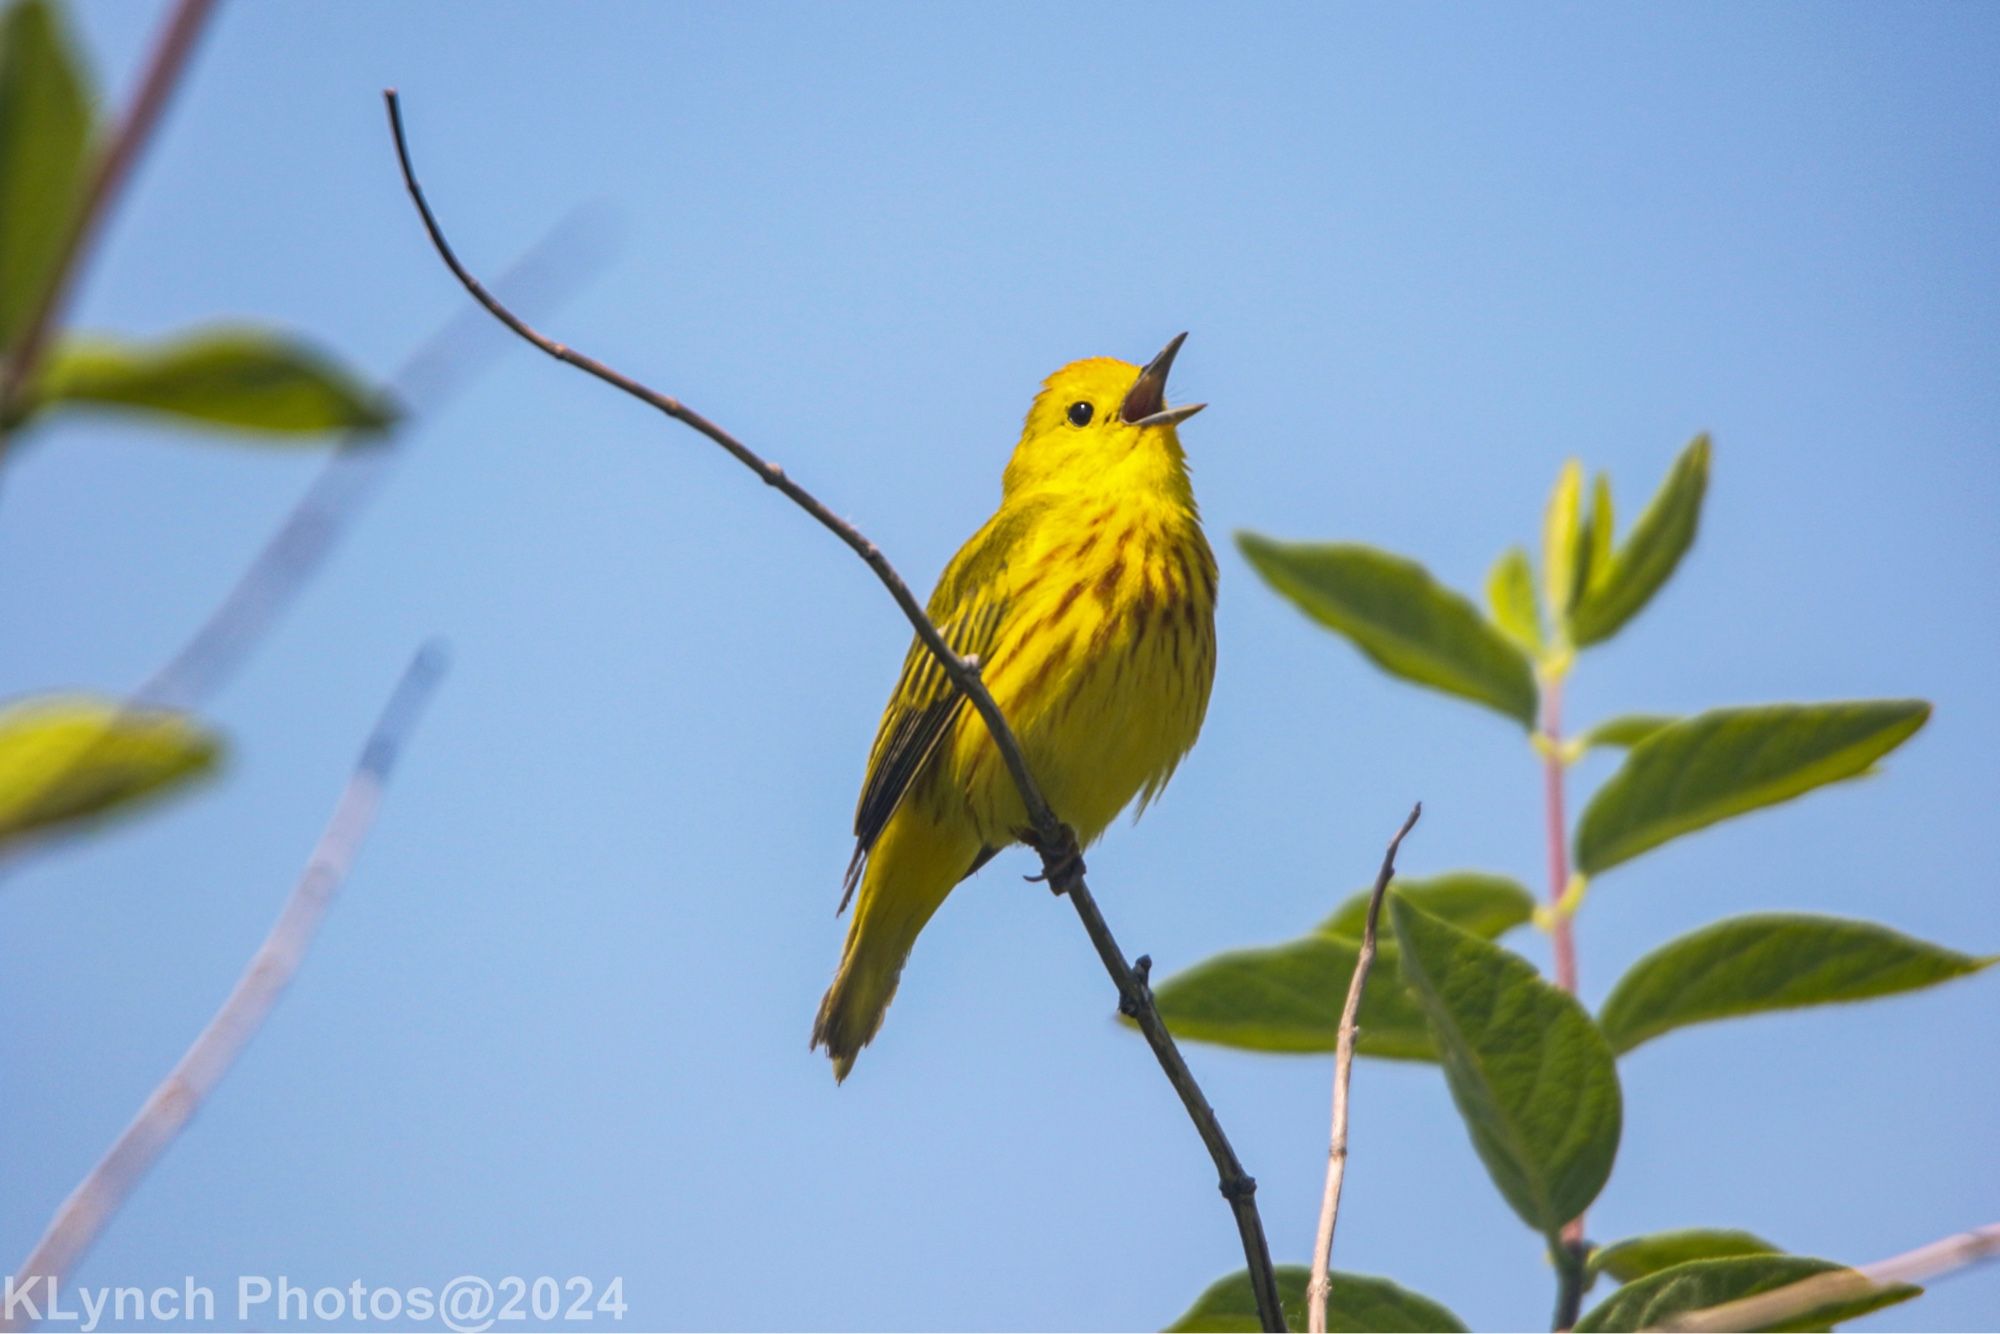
1510 596
1593 543
1636 1257
1597 535
45 156
1562 541
1648 556
1402 619
1534 1080
1288 998
253 380
1489 906
1626 730
1357 1303
1770 961
1691 774
1698 1284
68 758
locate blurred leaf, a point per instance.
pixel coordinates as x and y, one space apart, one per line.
45 156
1690 774
1288 998
1593 543
254 380
66 758
1770 961
1597 529
1636 1257
1487 905
1510 596
1403 620
1533 1078
1628 729
1562 541
1698 1284
1649 554
1357 1303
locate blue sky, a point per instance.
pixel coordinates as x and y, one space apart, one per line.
557 1022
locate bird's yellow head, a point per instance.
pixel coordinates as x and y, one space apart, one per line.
1104 425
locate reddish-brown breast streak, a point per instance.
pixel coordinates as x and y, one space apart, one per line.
1155 590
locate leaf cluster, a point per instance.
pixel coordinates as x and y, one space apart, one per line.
1533 1074
68 758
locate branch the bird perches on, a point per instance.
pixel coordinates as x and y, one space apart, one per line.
1062 867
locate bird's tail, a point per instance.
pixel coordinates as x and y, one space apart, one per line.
913 866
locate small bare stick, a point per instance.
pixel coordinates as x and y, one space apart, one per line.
82 1217
1781 1306
1321 1285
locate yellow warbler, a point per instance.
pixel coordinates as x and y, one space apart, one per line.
1089 600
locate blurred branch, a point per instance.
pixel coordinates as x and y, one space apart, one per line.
162 76
1781 1306
91 1205
1062 863
443 364
448 359
1321 1283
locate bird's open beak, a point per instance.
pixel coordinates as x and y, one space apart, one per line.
1146 401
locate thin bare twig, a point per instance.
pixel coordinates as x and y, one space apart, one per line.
1321 1284
1062 866
163 73
92 1204
1782 1306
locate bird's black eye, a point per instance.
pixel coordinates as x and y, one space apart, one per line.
1079 414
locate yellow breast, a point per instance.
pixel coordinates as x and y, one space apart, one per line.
1102 665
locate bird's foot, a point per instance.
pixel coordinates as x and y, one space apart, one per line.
1062 861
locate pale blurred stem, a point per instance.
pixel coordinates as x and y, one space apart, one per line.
1569 1260
1781 1306
163 74
83 1216
441 365
1062 866
1320 1287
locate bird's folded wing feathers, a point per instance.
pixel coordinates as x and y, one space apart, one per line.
968 608
919 718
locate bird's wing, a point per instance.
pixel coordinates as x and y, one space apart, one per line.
968 608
